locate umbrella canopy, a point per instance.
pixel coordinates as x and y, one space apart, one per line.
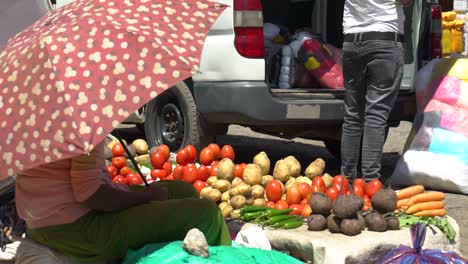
73 76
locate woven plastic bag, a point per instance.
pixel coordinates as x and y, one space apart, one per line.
416 255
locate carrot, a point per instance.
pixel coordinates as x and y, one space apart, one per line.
425 206
426 197
409 191
404 208
402 202
434 212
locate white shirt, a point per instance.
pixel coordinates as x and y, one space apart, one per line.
373 15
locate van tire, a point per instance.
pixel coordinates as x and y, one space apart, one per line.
172 119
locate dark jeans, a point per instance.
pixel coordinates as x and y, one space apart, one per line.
372 72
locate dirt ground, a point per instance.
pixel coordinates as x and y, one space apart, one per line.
248 143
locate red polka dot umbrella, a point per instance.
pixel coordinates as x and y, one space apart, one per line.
74 75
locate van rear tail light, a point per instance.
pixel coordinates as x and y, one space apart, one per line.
436 31
248 28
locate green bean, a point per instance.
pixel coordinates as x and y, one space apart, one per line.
252 208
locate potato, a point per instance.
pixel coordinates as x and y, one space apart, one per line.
236 181
249 200
303 179
259 202
262 160
315 168
252 174
266 179
226 169
258 191
294 166
214 195
235 214
241 189
143 158
226 211
140 145
211 180
281 171
221 205
204 192
222 185
237 201
225 196
328 179
290 183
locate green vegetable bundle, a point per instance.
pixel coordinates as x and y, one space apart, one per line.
440 222
271 217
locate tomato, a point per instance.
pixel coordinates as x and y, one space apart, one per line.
119 162
214 170
293 195
281 204
199 185
306 210
343 181
215 149
239 171
358 190
203 172
304 201
244 165
158 173
118 150
360 182
297 209
274 191
373 187
206 156
182 157
133 179
125 170
339 187
113 171
332 193
190 174
227 152
214 163
367 204
348 192
315 188
320 183
164 149
157 160
169 178
119 179
304 189
167 167
178 172
270 204
192 152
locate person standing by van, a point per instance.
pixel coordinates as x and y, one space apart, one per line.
373 60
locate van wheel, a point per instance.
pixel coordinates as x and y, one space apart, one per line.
172 119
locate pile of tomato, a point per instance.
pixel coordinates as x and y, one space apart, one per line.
119 171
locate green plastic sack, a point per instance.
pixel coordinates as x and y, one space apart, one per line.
174 253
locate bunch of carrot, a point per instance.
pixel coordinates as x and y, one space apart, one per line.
414 200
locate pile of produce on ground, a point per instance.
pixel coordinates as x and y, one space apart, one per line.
250 193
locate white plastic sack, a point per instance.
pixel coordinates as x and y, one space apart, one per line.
253 237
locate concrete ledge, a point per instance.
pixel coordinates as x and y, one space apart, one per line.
325 247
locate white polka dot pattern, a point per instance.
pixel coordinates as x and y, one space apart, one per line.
74 75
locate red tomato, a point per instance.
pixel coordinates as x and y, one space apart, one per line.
339 187
348 192
214 170
343 181
167 167
315 188
169 178
119 162
215 149
244 165
119 179
373 187
118 150
199 185
190 174
332 193
215 162
320 183
182 157
304 189
206 156
293 195
274 191
297 209
203 172
192 152
306 210
281 204
178 173
367 204
270 204
304 201
360 182
358 190
239 171
133 179
125 170
227 152
164 149
157 160
113 171
158 173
